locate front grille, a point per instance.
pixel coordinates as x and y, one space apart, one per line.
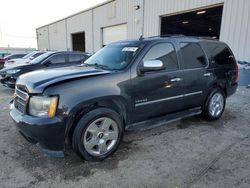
20 100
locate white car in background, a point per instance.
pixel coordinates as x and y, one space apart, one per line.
24 60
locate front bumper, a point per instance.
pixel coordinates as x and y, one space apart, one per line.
8 80
48 133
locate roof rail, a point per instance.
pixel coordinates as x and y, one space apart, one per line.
205 37
167 35
179 35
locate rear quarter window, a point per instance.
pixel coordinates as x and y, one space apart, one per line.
219 53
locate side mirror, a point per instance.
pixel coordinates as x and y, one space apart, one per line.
152 65
47 63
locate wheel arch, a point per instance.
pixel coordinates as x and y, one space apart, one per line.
116 103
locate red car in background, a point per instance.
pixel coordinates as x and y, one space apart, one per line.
9 57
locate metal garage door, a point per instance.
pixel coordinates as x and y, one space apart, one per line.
114 33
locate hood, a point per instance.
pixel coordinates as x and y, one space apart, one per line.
18 66
37 81
16 62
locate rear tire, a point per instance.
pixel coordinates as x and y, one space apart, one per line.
98 134
215 105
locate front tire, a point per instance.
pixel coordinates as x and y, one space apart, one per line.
215 105
98 134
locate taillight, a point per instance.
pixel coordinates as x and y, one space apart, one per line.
237 73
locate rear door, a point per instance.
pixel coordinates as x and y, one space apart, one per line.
196 73
159 92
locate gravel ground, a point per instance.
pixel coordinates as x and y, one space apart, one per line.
187 153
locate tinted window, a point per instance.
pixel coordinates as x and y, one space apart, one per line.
60 58
192 55
37 54
16 56
221 54
164 52
74 57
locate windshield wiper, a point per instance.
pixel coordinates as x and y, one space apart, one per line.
99 66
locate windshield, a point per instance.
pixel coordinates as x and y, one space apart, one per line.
40 58
113 57
28 55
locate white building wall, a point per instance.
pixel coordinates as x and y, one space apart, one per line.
235 29
79 23
43 38
115 13
57 36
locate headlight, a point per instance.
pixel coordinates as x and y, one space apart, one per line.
14 71
43 106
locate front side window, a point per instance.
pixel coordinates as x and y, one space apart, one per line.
60 58
113 57
192 56
164 52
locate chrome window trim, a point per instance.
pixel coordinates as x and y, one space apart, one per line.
168 98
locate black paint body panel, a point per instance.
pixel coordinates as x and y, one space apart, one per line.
135 96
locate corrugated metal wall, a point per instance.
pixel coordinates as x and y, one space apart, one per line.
235 28
43 38
57 36
115 13
79 23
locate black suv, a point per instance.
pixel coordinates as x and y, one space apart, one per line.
127 85
8 76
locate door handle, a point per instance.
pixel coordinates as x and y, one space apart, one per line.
207 74
176 80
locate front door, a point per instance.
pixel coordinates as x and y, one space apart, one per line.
159 92
57 60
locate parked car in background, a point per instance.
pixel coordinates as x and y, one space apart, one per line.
10 57
127 85
25 59
44 61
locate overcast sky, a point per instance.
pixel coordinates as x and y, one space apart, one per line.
20 18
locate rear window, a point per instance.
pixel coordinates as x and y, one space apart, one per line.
192 56
220 53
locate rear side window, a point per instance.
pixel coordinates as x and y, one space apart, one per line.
74 58
164 52
192 56
221 54
60 58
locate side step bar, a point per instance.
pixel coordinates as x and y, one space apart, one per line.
156 122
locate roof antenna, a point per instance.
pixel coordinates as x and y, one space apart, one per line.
141 38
